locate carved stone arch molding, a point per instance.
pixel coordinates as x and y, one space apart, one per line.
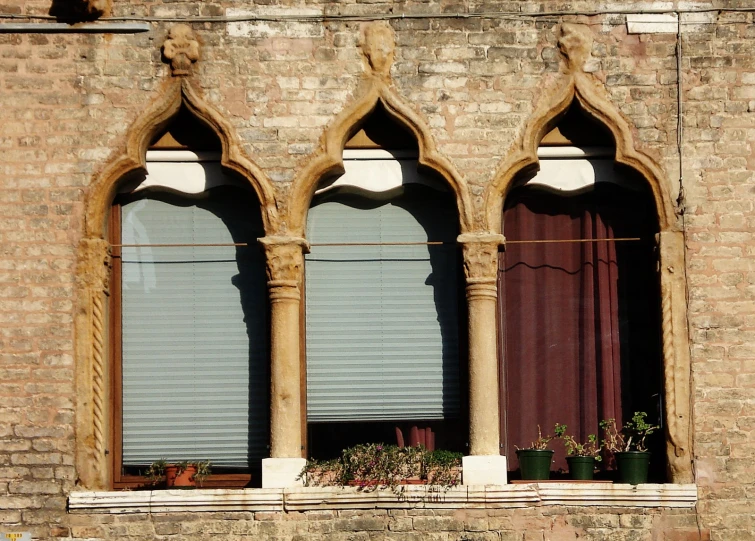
329 159
575 84
92 273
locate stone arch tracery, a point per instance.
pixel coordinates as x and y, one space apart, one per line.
576 83
92 423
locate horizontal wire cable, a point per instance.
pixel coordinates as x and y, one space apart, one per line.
428 243
282 17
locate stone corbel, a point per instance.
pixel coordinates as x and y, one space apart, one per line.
181 49
93 275
676 356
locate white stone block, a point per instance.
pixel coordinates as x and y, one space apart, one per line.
652 23
483 470
282 472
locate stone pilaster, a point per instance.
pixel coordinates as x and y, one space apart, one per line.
285 265
92 419
480 267
676 356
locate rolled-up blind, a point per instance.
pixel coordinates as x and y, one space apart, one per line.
382 325
193 324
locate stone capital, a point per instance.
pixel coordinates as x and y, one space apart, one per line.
285 259
480 252
181 48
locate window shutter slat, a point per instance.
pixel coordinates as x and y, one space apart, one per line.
382 326
194 352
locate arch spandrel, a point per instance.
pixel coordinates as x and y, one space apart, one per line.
329 158
580 87
178 92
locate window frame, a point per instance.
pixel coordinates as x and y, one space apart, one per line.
119 480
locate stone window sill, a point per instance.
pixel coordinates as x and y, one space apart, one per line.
407 497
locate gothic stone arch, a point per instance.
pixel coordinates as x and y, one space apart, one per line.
580 86
92 273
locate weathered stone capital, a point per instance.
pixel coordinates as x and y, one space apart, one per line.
378 46
575 44
480 252
181 48
94 264
285 259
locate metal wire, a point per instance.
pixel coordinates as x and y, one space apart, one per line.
392 16
428 243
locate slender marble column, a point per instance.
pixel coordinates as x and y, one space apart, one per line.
285 264
480 267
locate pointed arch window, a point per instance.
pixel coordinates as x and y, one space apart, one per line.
579 330
189 314
382 305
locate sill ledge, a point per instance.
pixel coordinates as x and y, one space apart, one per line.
407 497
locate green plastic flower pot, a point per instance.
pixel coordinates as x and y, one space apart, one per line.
581 468
535 464
633 466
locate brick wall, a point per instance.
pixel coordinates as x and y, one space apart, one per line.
68 101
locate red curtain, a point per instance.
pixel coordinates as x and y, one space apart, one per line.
559 316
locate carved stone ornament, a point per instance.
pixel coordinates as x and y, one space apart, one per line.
378 46
480 252
285 258
96 8
182 49
575 44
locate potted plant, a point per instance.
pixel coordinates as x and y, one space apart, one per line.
178 474
628 447
535 460
581 457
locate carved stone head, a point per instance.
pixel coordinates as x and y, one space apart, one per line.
575 44
378 47
181 48
96 8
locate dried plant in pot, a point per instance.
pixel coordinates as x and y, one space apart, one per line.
375 465
183 474
629 447
535 460
581 457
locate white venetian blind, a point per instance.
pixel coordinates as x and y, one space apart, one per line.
382 324
194 348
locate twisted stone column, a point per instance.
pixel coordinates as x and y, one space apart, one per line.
676 356
480 252
285 265
92 420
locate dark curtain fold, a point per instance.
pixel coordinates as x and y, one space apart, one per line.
559 309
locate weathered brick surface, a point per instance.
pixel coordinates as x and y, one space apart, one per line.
68 101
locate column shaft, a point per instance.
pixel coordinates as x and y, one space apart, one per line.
284 269
481 266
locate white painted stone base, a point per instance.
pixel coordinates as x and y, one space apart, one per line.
483 470
282 472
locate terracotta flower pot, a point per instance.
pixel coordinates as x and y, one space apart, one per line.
177 478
